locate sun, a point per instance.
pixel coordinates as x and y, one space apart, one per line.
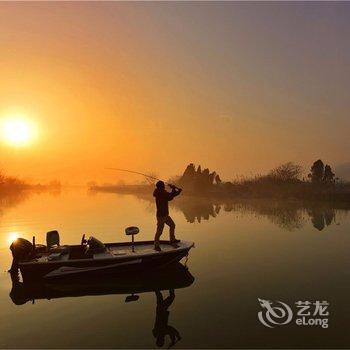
12 236
17 131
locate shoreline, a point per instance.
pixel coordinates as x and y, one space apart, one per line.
303 192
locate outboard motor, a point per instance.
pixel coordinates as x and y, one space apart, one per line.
22 250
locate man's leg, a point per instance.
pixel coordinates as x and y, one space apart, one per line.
169 221
160 226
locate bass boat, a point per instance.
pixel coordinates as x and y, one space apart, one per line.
91 256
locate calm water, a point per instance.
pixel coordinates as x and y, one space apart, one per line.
244 251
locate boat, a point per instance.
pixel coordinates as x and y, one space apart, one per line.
91 256
172 277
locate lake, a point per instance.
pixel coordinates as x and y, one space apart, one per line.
244 251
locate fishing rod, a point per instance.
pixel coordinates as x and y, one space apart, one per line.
145 175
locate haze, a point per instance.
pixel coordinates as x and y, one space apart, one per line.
236 87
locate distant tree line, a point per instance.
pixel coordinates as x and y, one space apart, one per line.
285 180
11 184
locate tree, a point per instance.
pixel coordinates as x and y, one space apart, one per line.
197 179
317 171
328 176
189 172
188 178
287 172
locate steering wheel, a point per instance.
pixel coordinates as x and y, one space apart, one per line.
83 240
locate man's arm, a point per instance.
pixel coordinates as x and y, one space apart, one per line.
175 191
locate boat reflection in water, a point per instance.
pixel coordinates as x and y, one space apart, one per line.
162 282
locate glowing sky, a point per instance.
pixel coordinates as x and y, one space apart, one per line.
237 87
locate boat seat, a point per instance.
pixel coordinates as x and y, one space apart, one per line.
131 231
53 243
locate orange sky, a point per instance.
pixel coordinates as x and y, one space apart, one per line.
236 87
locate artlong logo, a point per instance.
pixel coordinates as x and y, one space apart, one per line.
276 313
273 315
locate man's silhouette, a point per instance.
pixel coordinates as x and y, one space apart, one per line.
161 327
162 198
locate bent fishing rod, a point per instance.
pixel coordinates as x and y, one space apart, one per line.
145 175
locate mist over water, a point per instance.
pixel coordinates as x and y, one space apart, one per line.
244 251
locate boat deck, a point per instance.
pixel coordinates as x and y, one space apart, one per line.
116 250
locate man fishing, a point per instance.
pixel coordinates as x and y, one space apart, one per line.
162 198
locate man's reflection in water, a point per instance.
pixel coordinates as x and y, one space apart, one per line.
161 327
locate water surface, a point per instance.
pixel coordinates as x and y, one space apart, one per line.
244 251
